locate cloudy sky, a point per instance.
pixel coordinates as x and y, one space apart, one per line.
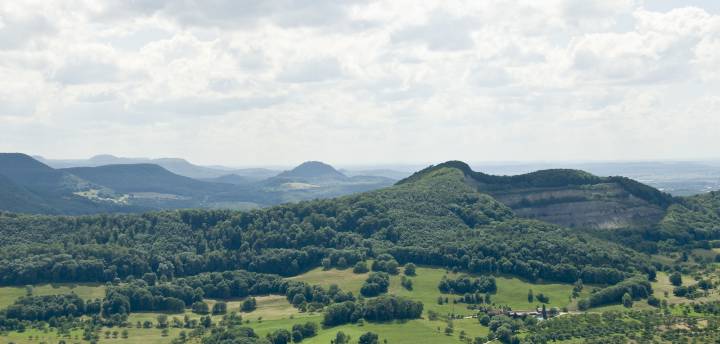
240 82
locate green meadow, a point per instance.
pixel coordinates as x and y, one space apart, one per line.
8 295
275 312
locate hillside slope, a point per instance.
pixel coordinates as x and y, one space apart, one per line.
438 219
36 176
694 218
129 178
312 170
15 198
570 198
28 185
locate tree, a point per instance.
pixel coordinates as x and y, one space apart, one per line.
206 321
309 329
577 288
200 307
174 305
530 296
652 274
583 304
342 263
150 278
376 284
360 268
326 263
342 338
504 334
249 305
410 269
676 279
297 336
280 336
368 338
298 300
484 320
543 298
653 301
162 321
627 300
704 284
219 307
406 283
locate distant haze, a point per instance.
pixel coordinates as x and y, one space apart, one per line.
360 83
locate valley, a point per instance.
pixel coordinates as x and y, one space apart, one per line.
120 185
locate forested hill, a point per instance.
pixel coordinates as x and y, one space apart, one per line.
129 178
312 170
569 197
694 218
27 185
438 219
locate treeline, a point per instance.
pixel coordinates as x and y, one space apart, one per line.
233 332
44 308
382 308
174 296
538 251
636 287
465 284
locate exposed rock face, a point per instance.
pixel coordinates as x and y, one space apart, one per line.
603 206
569 198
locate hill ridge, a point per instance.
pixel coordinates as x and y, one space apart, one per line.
313 169
567 197
556 177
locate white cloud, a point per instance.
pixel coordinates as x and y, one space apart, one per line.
282 81
441 32
314 70
20 28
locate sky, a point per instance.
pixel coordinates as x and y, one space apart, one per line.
277 82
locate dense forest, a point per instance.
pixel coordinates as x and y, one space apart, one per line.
438 220
170 261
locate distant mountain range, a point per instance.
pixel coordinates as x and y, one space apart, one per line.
174 165
126 185
27 185
106 183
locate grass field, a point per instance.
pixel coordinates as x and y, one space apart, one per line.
274 312
345 279
8 295
511 291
